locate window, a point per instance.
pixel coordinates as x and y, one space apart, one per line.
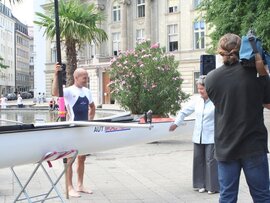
92 50
116 12
139 34
196 77
53 53
197 3
31 48
199 36
116 43
173 37
140 8
173 6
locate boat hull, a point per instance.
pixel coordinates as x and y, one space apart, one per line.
29 146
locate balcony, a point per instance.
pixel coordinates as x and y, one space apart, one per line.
96 60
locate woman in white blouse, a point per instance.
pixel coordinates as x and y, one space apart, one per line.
205 172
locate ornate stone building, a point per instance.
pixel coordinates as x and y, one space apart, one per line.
174 24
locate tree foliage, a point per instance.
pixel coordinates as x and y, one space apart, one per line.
2 65
78 24
13 1
237 16
147 78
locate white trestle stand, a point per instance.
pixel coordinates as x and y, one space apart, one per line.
48 157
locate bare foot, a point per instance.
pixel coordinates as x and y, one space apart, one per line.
84 190
73 193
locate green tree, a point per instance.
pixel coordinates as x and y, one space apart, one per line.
2 65
237 16
78 25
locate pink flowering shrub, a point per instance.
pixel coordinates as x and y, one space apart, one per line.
147 78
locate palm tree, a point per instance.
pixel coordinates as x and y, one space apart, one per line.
13 1
78 25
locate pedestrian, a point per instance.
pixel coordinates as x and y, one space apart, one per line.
56 106
52 104
43 98
39 97
80 107
239 94
205 173
3 102
19 101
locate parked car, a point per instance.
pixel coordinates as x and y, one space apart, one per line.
26 95
11 96
32 93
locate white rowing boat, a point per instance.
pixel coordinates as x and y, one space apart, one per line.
24 144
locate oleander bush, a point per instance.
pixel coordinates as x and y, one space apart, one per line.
147 78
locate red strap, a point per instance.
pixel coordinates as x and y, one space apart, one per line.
49 164
52 156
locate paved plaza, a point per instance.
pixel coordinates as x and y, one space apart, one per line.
148 173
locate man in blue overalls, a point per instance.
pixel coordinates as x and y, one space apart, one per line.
80 107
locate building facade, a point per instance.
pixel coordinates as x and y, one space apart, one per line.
31 58
22 70
14 54
7 50
174 24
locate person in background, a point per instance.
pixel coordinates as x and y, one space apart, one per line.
19 101
80 107
52 104
3 102
205 173
239 94
56 106
43 98
39 97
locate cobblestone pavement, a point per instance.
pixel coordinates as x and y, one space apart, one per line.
149 173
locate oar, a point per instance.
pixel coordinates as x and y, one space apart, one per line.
89 123
61 103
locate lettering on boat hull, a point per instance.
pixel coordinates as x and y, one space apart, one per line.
98 129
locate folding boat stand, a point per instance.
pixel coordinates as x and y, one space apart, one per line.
50 156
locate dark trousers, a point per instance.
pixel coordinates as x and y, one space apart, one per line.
205 171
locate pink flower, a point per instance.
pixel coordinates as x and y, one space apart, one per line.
155 46
140 62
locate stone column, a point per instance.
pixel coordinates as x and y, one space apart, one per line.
148 19
97 55
124 25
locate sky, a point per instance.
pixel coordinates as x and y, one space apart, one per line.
23 11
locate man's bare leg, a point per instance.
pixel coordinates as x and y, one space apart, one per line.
71 191
80 171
